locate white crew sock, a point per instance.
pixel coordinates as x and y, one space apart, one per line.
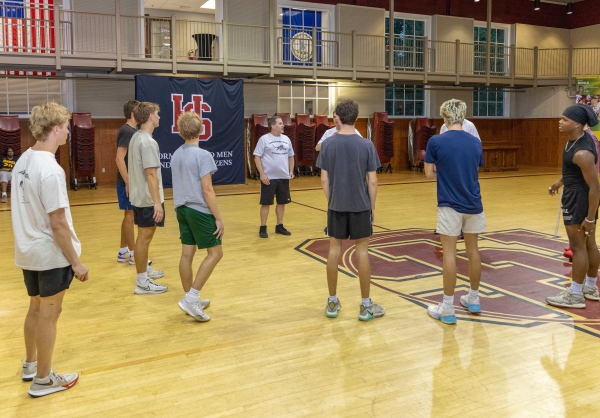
473 293
142 278
332 298
366 302
124 250
576 288
448 301
3 194
590 281
192 296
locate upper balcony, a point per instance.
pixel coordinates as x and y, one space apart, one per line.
114 43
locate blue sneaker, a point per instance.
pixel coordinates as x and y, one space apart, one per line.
332 309
123 257
471 304
446 315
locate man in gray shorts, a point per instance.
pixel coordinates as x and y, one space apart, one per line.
454 159
46 247
349 179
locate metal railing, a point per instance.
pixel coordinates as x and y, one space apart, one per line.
115 36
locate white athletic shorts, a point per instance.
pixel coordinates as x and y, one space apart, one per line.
5 176
451 222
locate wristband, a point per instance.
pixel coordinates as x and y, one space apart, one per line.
591 222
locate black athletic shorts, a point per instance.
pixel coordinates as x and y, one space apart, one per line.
278 188
144 217
48 282
575 206
353 225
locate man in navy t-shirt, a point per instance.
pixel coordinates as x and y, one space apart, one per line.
453 158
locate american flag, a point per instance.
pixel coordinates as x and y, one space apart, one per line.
27 26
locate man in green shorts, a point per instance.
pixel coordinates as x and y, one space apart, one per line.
200 223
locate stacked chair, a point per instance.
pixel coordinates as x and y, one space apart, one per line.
383 139
304 145
259 127
419 133
10 134
322 125
82 155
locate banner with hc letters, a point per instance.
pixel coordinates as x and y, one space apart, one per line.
220 103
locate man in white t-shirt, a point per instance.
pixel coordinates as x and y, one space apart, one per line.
274 159
145 192
330 132
467 126
46 247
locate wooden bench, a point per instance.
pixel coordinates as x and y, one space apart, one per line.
500 157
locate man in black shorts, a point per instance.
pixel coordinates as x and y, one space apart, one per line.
46 247
580 199
348 175
274 158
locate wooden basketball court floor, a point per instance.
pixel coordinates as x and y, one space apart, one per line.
269 350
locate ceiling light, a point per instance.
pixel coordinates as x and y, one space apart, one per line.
210 4
536 5
569 8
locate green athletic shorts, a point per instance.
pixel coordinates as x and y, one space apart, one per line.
197 228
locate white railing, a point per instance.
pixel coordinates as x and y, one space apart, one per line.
167 39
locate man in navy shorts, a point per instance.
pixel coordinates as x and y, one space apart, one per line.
349 179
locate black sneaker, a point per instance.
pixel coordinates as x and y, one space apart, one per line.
279 229
262 232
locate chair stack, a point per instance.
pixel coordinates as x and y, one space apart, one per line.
419 133
383 139
322 125
10 134
83 159
304 146
260 127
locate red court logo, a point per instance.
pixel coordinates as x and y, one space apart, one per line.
520 269
197 105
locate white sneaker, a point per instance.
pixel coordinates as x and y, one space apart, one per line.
205 303
29 371
566 299
154 274
53 383
472 304
446 315
193 309
149 288
591 293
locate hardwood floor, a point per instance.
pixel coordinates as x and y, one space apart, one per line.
270 351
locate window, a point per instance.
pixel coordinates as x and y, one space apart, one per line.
297 42
404 100
20 95
408 44
303 97
497 50
488 101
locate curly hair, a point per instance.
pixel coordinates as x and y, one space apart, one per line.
189 125
46 116
454 111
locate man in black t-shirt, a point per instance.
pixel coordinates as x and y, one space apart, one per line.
580 199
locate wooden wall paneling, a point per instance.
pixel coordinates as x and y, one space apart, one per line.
540 141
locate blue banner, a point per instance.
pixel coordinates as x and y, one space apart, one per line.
220 103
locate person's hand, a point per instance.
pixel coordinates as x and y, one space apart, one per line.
81 272
220 229
587 228
291 174
127 188
372 218
552 190
264 179
158 213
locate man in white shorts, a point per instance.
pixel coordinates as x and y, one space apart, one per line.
454 159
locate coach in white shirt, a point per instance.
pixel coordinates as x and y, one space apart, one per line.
467 127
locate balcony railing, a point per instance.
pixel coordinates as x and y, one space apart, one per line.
180 44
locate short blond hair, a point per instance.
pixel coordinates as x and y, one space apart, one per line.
189 125
46 116
454 111
143 110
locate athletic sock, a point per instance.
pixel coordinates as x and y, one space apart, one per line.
366 302
473 293
332 299
576 288
448 301
3 194
192 296
131 253
142 278
590 281
124 250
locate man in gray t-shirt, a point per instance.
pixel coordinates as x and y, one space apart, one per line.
348 175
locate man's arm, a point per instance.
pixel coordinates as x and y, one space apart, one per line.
291 163
152 179
372 186
120 160
585 161
325 183
211 200
62 236
430 172
261 172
